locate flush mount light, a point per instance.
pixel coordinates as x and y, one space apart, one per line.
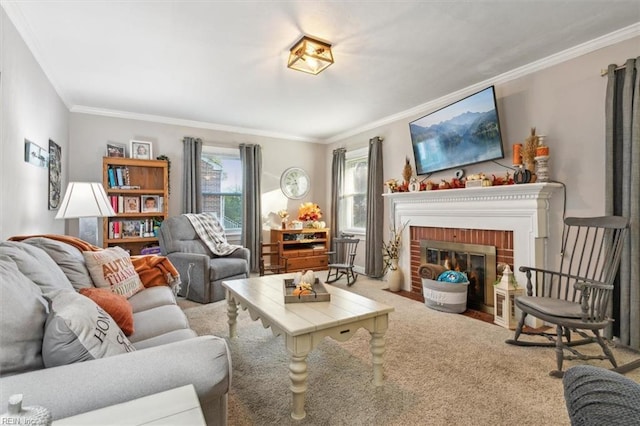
310 55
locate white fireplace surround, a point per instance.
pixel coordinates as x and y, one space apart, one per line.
524 209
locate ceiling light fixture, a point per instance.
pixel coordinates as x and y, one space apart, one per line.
310 55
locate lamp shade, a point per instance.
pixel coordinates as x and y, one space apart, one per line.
85 199
310 55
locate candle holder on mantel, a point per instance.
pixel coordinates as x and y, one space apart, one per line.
542 168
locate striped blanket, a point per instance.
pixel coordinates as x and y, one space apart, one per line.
211 233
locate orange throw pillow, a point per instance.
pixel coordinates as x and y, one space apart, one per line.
114 304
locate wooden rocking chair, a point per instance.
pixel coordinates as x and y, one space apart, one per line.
577 296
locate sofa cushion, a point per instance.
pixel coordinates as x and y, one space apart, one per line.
77 330
112 268
114 304
166 338
152 297
36 265
23 312
67 257
157 321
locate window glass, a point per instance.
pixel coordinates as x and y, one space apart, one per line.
354 198
221 174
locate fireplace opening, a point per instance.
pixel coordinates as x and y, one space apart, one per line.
477 261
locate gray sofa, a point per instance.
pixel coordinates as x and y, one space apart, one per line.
162 353
202 271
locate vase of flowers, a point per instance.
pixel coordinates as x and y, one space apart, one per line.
309 213
390 255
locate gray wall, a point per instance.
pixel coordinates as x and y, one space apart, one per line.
89 135
31 109
564 102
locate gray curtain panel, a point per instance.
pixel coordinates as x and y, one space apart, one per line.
623 189
375 210
251 158
192 189
337 187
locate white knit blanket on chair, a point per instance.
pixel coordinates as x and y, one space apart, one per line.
211 233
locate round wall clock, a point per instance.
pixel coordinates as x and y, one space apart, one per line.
294 183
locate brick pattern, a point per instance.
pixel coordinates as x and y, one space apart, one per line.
501 240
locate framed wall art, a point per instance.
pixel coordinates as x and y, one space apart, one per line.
55 175
116 150
141 150
35 154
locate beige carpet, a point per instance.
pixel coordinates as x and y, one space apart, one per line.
440 369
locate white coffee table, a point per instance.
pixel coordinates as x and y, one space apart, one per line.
304 325
179 406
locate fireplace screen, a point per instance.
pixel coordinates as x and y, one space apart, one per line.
477 261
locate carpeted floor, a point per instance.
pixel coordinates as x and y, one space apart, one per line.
440 369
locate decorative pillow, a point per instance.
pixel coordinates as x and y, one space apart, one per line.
112 268
77 330
23 312
36 265
68 258
114 304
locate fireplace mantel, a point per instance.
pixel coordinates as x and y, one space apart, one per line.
524 209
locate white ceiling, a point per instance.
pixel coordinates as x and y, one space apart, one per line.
222 64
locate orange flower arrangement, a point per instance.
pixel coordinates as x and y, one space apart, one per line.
309 211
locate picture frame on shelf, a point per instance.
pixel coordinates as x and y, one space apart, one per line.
131 205
150 203
116 150
141 150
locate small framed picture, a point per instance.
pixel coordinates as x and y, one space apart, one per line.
131 205
116 150
150 203
141 150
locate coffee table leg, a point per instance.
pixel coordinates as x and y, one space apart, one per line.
298 375
232 314
377 352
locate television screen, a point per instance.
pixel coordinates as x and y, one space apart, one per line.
463 133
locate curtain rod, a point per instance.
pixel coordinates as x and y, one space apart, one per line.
605 71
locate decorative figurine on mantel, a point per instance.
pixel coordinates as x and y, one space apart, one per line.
407 172
529 154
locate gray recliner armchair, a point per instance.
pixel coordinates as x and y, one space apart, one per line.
201 271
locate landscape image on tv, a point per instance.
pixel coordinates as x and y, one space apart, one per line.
462 133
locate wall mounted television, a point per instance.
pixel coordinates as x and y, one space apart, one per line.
462 133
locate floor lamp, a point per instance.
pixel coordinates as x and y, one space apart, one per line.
86 201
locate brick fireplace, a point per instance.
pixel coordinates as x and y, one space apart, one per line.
488 247
513 218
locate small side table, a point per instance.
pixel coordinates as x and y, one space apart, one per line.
179 406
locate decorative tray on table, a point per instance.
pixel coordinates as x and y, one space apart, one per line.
318 294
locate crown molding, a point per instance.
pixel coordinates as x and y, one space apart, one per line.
557 58
81 109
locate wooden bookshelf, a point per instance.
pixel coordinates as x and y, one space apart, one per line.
129 183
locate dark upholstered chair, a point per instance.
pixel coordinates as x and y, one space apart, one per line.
595 396
201 271
575 298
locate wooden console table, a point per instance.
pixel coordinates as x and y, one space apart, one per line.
305 249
